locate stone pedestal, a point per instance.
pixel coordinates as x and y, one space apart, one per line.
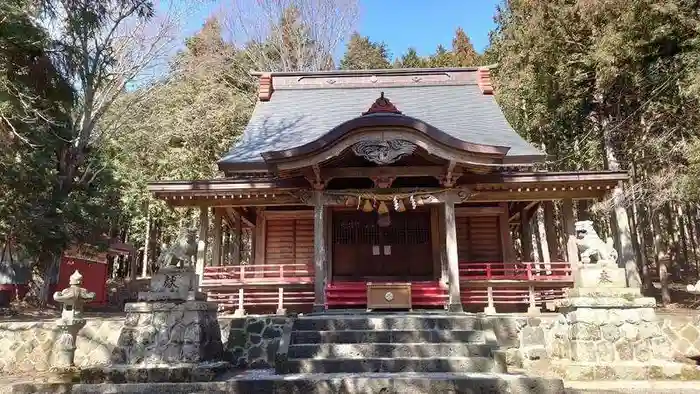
64 355
168 334
607 328
71 322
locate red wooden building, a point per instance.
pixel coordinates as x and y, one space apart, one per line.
380 189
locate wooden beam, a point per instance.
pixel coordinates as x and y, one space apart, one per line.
478 211
247 217
278 200
541 195
369 172
295 214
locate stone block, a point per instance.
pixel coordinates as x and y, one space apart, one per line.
629 331
532 336
599 276
583 350
605 351
661 348
610 332
560 348
642 350
584 331
649 330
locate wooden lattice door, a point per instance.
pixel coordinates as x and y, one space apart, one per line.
364 250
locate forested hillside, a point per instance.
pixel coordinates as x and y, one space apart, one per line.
98 98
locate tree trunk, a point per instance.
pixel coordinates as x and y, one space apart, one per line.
673 248
146 245
642 225
683 236
661 259
551 235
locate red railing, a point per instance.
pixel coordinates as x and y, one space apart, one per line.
261 288
260 274
268 288
515 271
504 296
348 294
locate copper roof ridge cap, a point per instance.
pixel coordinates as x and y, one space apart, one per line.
382 71
368 85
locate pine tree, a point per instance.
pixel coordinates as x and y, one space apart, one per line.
363 54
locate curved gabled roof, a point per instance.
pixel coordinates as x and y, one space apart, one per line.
305 108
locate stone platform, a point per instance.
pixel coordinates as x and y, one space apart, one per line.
171 335
341 383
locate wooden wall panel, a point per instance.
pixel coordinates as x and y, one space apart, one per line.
478 239
290 241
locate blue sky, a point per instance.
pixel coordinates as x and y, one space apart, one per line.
401 24
424 24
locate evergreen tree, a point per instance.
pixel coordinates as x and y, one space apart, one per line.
363 54
410 60
463 51
442 58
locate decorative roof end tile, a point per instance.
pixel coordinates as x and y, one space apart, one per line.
382 105
265 91
484 80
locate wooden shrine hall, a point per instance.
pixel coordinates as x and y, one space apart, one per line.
383 189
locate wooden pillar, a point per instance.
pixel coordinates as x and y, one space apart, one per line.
216 245
237 253
226 254
437 220
525 237
202 243
507 250
532 307
260 230
319 252
570 232
455 304
623 235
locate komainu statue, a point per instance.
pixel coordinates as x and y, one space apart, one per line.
182 252
593 250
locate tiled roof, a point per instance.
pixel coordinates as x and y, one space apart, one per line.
298 112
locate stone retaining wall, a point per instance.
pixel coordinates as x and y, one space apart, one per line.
252 341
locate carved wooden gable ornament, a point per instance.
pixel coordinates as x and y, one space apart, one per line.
382 105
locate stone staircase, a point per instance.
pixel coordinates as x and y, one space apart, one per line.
395 353
391 344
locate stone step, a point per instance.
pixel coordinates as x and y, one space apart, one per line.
388 350
401 323
393 365
387 336
363 383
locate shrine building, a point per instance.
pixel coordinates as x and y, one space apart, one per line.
382 189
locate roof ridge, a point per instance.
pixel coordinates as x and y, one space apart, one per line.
381 71
383 85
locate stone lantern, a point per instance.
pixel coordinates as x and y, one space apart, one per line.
73 298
